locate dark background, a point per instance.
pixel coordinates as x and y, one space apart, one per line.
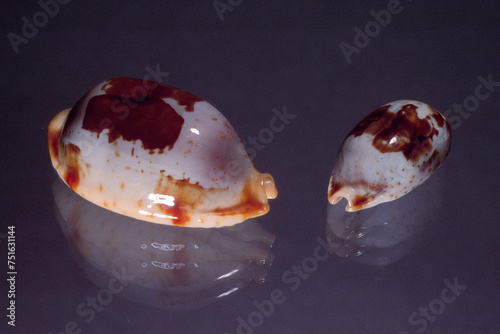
265 55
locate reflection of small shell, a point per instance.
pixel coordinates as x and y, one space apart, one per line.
169 266
387 232
390 152
157 153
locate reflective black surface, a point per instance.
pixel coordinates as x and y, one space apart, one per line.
267 65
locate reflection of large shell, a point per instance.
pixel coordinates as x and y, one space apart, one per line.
168 266
390 152
157 153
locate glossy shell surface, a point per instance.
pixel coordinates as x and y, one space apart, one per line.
157 153
390 152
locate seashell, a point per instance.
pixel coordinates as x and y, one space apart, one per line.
390 152
169 266
157 153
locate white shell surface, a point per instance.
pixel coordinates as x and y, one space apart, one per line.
390 152
157 153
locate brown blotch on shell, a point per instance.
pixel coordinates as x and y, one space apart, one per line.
133 109
152 121
402 131
130 86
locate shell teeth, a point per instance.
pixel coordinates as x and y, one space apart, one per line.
390 152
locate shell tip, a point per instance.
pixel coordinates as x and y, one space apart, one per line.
54 132
332 200
269 186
